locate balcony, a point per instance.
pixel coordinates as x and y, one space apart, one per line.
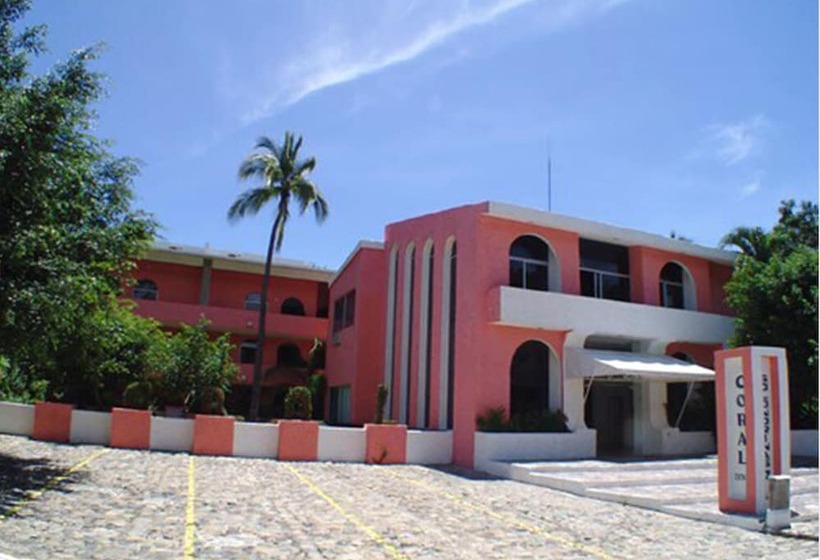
588 315
239 321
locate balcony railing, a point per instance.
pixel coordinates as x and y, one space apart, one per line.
604 285
239 321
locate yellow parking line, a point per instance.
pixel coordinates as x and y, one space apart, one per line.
188 551
506 518
50 484
366 529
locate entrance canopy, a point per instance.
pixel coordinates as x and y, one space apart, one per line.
606 363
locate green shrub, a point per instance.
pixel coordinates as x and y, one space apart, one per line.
138 394
381 399
15 386
212 401
317 385
298 403
492 420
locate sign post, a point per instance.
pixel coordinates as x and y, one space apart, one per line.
752 398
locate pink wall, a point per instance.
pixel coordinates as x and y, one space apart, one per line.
175 282
229 289
357 358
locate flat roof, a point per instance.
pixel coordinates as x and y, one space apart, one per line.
165 251
608 233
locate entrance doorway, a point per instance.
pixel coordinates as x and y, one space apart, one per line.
609 410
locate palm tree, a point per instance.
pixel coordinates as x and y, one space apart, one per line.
753 242
282 176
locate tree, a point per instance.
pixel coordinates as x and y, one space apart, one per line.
68 233
773 290
283 177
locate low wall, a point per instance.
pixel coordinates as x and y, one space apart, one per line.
16 419
172 434
341 444
676 442
90 427
255 440
804 443
518 446
429 448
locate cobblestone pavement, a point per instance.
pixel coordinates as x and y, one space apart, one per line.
132 504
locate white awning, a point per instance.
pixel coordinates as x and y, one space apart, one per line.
604 363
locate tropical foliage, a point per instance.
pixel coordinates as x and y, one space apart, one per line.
773 290
281 177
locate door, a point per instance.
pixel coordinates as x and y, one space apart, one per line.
609 411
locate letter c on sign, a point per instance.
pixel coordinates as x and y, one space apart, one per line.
739 381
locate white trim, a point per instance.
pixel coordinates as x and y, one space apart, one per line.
607 233
424 320
390 331
406 321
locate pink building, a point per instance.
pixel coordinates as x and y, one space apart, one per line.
493 305
178 284
481 306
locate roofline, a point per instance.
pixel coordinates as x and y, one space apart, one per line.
173 252
606 232
362 244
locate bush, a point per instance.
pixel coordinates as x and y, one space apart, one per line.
298 403
317 385
138 394
381 399
15 386
494 420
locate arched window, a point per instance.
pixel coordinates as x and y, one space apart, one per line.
529 378
529 263
146 289
676 287
253 301
292 306
288 355
247 352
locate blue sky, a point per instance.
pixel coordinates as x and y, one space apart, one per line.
686 115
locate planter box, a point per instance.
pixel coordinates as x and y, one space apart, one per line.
429 447
386 444
298 440
16 418
341 444
88 426
130 428
213 435
52 421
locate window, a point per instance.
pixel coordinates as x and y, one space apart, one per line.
677 288
344 310
146 289
288 355
604 270
253 301
292 306
340 405
247 352
529 378
529 264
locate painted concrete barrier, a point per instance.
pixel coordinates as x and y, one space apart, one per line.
341 444
172 434
429 448
16 419
676 442
92 427
298 440
52 421
130 428
804 443
518 446
252 439
386 444
213 435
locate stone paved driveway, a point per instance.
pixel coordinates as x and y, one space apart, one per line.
59 501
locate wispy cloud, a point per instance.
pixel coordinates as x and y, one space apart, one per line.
735 142
393 33
750 188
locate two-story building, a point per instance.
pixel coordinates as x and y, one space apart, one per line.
492 305
178 284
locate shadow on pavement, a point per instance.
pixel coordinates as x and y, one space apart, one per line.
19 476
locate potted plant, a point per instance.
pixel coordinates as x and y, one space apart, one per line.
385 443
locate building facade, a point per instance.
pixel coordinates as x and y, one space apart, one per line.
480 307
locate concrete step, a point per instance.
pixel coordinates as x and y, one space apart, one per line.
604 466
